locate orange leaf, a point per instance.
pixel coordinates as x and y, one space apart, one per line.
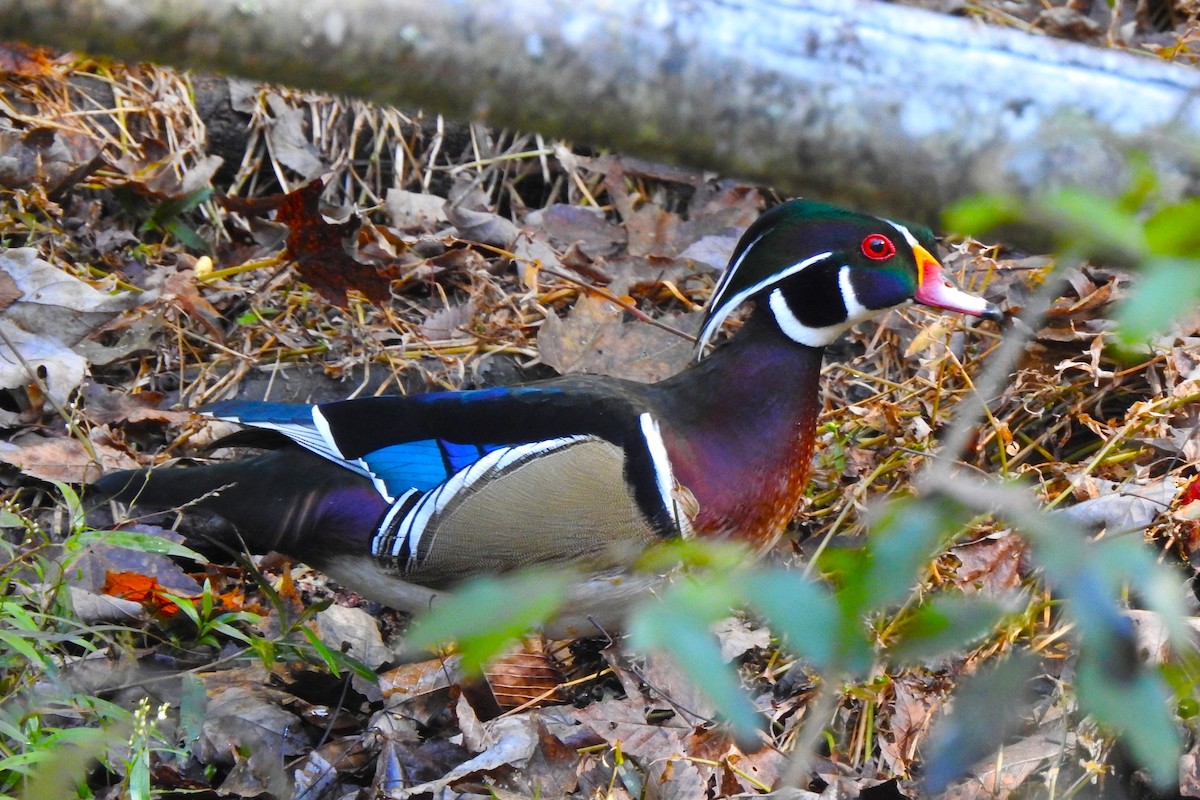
140 589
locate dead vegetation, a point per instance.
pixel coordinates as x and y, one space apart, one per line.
336 249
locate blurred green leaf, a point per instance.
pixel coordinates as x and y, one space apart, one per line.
487 614
1094 225
1175 230
193 708
679 626
61 771
903 540
724 555
988 707
945 625
810 619
975 216
1125 560
187 236
1112 682
839 564
74 506
1136 706
170 209
1166 288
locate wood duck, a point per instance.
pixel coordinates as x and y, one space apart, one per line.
391 494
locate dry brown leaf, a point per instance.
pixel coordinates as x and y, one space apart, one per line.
992 564
506 742
525 678
415 211
353 631
411 681
652 231
246 729
738 638
595 338
564 226
290 139
318 248
1015 762
54 159
63 458
902 733
469 211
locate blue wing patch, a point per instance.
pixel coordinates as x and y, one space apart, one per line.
421 465
260 413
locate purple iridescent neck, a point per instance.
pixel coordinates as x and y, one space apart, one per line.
739 430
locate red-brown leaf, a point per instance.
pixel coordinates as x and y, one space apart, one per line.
319 249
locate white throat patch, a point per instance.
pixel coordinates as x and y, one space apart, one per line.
797 331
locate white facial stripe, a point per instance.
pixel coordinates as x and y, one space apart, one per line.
664 476
908 237
855 310
732 268
796 330
727 306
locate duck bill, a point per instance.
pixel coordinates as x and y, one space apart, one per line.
934 289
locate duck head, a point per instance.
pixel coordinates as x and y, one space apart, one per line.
818 269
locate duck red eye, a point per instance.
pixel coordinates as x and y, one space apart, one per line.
878 247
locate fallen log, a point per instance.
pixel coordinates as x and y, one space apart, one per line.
879 106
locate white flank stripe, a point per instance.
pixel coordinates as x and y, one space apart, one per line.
309 439
322 425
727 306
414 526
380 486
377 542
664 476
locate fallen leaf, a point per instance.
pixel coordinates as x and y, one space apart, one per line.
910 711
415 211
468 211
63 458
141 589
652 231
246 729
22 60
715 251
290 141
1122 507
524 679
448 323
47 157
509 743
738 638
92 608
319 250
353 631
595 338
992 564
53 313
566 225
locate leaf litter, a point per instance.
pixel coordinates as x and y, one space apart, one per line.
148 275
